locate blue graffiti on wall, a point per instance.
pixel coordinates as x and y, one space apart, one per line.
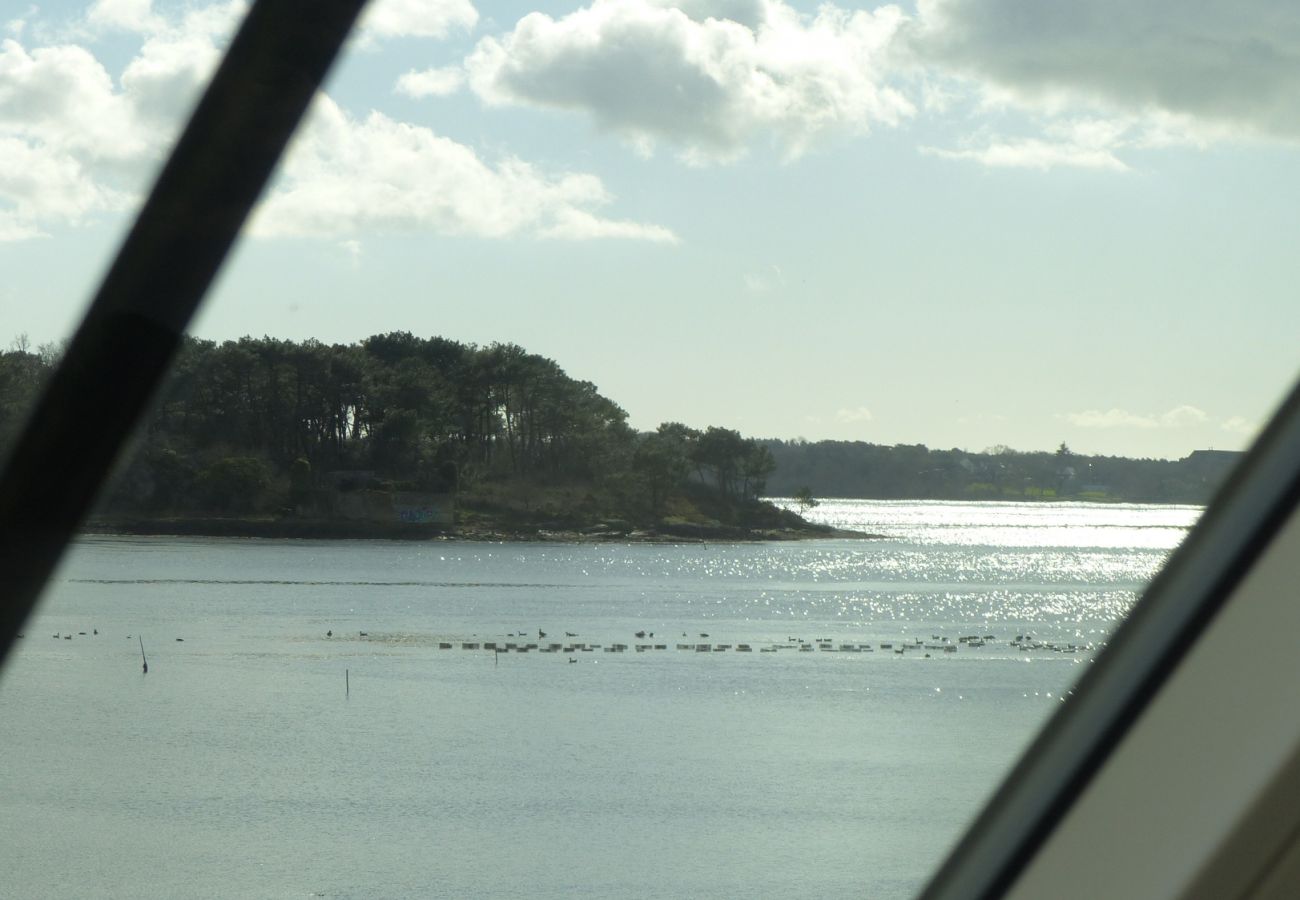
420 515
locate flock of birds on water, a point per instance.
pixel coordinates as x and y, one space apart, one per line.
94 632
646 642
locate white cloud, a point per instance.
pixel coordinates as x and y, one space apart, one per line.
750 13
61 124
1178 417
854 415
164 79
345 176
431 82
1111 418
1080 143
74 142
1240 425
1216 64
40 184
1100 80
1074 136
1182 416
14 228
708 86
63 99
128 15
1034 153
435 19
572 223
17 25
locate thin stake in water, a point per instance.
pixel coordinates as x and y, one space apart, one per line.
143 658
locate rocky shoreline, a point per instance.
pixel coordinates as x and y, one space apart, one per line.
330 529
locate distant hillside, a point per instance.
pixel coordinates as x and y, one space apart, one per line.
875 471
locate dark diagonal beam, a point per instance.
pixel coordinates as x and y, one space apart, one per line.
133 328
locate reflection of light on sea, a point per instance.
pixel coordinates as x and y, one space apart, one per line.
837 565
1011 524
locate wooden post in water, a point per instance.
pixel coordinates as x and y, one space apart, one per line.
144 659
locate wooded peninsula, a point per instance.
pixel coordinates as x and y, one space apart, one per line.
401 436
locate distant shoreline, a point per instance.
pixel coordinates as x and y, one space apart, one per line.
327 529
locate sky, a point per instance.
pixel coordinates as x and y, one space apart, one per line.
948 222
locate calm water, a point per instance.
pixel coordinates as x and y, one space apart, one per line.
240 767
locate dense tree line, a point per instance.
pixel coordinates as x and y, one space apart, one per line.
253 425
906 471
21 377
247 425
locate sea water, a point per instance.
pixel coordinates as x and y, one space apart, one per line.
322 719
